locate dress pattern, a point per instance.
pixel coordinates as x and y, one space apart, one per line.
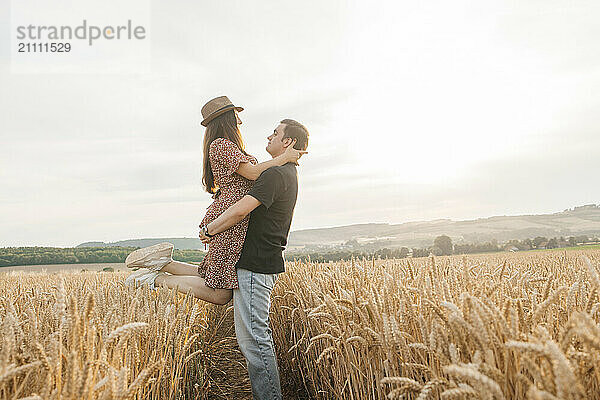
225 248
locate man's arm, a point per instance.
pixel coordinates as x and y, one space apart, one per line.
231 216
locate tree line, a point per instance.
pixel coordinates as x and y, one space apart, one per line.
14 256
442 245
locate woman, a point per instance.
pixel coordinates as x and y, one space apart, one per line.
228 172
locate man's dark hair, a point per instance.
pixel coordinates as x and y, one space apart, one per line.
295 130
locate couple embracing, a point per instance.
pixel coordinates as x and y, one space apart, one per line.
246 228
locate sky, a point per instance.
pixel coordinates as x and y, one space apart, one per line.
416 111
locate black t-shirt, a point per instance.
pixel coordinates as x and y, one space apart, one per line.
277 190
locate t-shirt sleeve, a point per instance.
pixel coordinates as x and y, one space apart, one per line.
226 155
268 187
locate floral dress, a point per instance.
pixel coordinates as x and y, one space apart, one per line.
218 266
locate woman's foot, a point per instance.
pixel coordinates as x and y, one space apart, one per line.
152 257
143 277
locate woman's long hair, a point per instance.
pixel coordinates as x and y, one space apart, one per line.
223 126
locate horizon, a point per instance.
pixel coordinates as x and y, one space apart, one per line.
415 111
327 227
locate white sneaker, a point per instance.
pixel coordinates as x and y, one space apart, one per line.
142 277
152 257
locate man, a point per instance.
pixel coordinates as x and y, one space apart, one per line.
270 203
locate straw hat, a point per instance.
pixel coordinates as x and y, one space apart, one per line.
216 107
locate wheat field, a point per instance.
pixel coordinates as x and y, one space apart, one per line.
497 326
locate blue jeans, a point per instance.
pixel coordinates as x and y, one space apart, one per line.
251 304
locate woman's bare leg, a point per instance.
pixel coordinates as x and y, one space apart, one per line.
197 285
180 268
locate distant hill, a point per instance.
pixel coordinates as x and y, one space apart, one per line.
180 243
583 220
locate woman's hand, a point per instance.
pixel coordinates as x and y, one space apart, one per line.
292 155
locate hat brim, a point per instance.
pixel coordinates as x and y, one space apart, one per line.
219 112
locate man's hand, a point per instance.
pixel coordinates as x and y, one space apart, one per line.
230 217
205 239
